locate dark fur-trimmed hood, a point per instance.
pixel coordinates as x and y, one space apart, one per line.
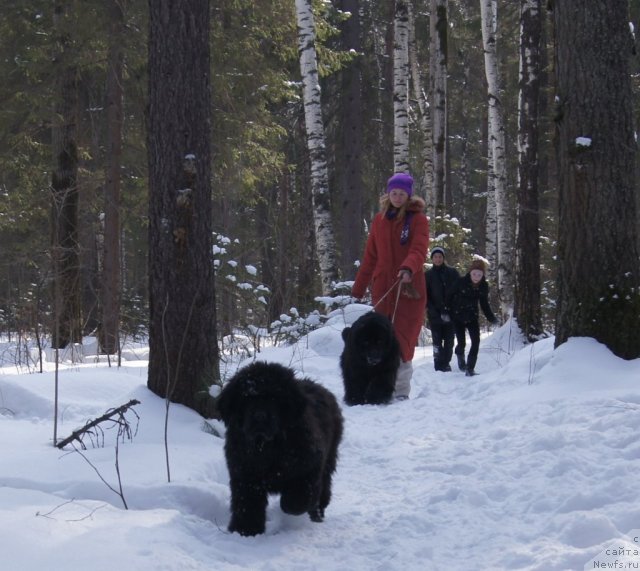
416 204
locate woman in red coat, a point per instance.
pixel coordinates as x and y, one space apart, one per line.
394 256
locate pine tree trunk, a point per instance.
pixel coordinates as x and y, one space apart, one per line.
527 275
505 238
401 87
183 360
325 240
438 54
351 231
110 290
599 267
64 189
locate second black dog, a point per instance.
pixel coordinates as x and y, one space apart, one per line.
369 360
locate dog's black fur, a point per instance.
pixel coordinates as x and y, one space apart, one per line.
282 437
369 360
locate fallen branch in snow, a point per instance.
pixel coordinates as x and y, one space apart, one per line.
93 430
88 428
49 514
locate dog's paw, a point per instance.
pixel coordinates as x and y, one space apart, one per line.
317 515
247 529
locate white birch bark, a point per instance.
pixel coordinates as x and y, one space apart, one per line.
437 49
425 121
401 87
488 11
491 222
325 240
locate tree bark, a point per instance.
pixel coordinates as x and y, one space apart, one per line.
438 54
352 232
505 237
401 87
64 189
325 239
110 290
491 220
417 81
183 360
599 267
527 274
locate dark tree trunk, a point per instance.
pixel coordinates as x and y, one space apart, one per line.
275 251
351 214
527 275
183 360
110 290
599 273
64 189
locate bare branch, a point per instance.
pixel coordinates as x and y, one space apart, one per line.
108 416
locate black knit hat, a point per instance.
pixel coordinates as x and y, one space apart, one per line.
437 250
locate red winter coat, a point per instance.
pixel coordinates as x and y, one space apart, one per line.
384 256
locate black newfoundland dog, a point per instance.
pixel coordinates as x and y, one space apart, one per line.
282 437
369 360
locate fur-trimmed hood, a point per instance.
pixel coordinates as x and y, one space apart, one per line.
416 204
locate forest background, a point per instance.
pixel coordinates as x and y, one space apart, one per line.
266 261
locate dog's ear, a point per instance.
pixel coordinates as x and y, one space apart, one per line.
345 333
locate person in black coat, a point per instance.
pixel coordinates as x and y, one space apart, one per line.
440 279
469 291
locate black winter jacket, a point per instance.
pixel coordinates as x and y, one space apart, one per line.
440 281
464 298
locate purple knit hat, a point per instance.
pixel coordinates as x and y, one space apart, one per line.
402 181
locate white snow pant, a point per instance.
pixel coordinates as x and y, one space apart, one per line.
403 380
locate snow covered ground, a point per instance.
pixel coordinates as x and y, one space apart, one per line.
533 464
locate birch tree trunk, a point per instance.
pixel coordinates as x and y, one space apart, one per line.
491 222
598 261
488 11
527 274
401 87
425 122
438 56
325 240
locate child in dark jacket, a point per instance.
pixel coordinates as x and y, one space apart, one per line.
469 291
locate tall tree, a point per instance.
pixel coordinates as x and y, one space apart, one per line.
438 54
498 154
351 231
401 87
64 185
599 266
419 94
110 283
527 274
325 239
183 359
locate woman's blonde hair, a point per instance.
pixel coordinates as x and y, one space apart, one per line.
385 205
